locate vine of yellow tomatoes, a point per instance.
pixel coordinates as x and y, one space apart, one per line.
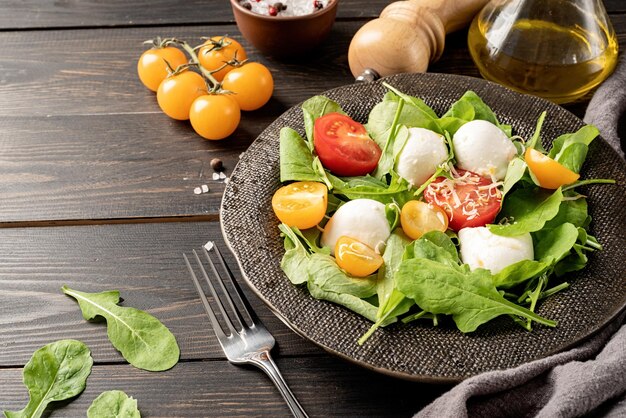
209 85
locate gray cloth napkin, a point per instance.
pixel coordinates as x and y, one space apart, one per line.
588 380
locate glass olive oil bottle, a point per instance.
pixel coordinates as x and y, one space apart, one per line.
556 49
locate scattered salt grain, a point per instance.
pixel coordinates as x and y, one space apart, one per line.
216 176
197 190
209 246
205 188
222 176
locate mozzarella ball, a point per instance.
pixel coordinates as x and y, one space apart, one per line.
361 219
483 148
423 152
482 249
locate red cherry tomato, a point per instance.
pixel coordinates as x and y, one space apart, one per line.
468 199
343 145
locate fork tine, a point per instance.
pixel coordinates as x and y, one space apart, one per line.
217 300
227 294
216 326
241 301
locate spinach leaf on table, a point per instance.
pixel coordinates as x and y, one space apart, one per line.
470 297
55 372
141 338
113 403
316 107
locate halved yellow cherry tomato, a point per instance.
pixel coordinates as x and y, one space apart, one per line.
418 218
301 204
356 258
152 68
550 173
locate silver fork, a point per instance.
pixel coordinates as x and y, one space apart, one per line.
246 341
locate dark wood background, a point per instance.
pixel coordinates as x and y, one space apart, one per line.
96 192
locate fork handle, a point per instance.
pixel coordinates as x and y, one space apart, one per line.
264 361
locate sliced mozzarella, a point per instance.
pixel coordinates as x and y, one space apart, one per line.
361 219
483 148
423 152
482 249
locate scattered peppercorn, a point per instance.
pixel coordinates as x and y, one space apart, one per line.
279 6
217 165
247 5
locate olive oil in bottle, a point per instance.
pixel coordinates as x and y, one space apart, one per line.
556 49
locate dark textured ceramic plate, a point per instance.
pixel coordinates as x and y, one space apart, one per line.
418 351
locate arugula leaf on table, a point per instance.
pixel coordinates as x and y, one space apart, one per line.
470 297
141 338
529 209
316 107
113 403
55 372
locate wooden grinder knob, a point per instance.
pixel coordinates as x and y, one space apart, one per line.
408 35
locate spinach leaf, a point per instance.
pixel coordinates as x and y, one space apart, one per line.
296 160
392 257
551 245
313 108
470 297
443 241
424 248
354 303
571 149
514 173
327 275
395 140
295 261
141 338
368 187
570 211
411 100
55 372
518 273
470 107
392 213
113 403
529 209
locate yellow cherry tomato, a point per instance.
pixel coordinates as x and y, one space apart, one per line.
301 204
176 93
550 173
356 258
152 68
418 218
217 51
214 116
252 84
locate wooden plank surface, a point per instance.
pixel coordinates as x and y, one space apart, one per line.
324 386
143 261
28 14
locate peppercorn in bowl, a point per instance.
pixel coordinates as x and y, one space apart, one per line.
287 27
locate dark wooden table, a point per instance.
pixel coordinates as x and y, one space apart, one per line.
96 192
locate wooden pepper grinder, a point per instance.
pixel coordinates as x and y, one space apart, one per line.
407 36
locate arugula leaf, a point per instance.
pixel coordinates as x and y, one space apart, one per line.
368 187
443 241
570 211
571 149
472 107
392 257
471 298
295 261
518 273
530 209
55 372
554 244
411 100
327 275
316 107
113 403
426 249
296 160
392 213
354 303
141 338
514 173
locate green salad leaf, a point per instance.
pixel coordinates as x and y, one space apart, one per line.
141 338
55 372
113 404
327 275
295 262
468 108
571 149
470 297
316 107
296 160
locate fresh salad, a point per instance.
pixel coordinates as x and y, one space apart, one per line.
419 216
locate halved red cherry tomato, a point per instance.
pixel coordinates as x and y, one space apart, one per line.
301 204
468 199
343 145
356 258
550 173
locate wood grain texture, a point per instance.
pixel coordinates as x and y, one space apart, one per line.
143 261
324 386
29 14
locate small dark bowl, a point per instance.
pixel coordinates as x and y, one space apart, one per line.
283 36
